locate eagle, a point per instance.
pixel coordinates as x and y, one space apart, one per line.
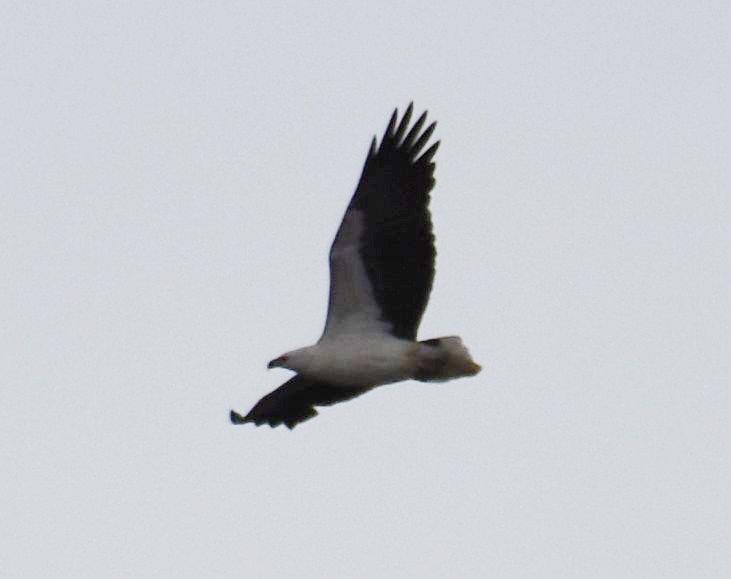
381 274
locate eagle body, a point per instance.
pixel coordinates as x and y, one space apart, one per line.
381 274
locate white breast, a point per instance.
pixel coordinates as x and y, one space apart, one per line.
360 360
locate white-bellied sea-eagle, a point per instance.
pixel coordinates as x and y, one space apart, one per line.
381 273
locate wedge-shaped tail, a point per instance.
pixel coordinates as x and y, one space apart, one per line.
442 359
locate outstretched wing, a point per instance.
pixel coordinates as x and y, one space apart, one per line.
295 402
382 259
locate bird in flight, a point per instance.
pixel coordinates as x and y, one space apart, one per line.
381 274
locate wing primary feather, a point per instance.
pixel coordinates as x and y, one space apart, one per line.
422 140
430 152
391 126
408 141
403 124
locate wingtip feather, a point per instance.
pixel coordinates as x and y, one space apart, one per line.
414 132
429 153
422 140
236 418
372 150
392 123
403 125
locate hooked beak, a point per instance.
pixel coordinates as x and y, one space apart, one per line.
277 362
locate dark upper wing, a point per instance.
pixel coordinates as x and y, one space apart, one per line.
382 259
294 402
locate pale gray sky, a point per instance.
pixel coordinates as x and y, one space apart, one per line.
173 174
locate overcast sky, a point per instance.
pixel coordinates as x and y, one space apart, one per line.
172 177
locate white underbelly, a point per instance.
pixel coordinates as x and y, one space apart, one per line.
365 361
